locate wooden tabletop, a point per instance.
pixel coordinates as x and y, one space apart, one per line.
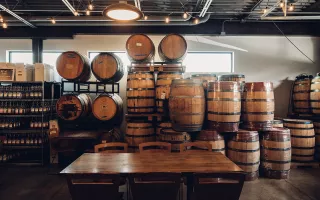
130 163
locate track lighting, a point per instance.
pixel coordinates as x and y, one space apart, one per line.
90 6
291 7
145 17
167 20
265 10
185 15
281 4
196 21
76 13
53 21
87 12
4 25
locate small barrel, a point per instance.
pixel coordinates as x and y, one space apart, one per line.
187 105
139 132
163 85
277 123
73 66
140 48
107 67
175 138
214 138
240 78
244 150
276 153
162 125
72 107
317 134
302 139
301 94
257 109
224 106
173 48
205 78
108 107
140 92
315 94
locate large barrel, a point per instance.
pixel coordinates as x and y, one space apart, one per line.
162 125
277 123
187 105
224 106
214 138
301 94
317 133
107 67
140 92
276 153
205 78
315 94
108 107
175 138
257 106
172 48
302 139
140 48
240 78
73 66
163 85
139 132
71 107
244 150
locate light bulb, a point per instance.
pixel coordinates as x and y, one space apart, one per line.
185 15
196 21
291 7
265 10
1 18
53 21
167 19
4 25
90 6
145 17
281 4
88 12
76 13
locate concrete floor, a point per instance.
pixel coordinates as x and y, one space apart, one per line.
34 183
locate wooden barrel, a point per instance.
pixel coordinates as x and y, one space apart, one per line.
240 78
108 107
206 78
187 105
214 138
224 106
315 94
72 107
276 153
257 106
162 125
73 66
317 134
277 123
172 48
163 85
140 48
107 67
140 92
138 132
244 150
302 139
301 94
175 138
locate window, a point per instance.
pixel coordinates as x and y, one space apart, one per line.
209 62
122 55
49 57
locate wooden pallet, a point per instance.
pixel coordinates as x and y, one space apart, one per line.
149 117
296 165
157 67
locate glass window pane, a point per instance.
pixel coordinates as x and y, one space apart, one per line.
51 58
20 57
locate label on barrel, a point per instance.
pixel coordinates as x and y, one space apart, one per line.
163 95
69 66
138 44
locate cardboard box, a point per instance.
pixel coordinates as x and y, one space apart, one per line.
24 72
7 71
43 72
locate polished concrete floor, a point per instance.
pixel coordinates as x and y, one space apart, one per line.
34 183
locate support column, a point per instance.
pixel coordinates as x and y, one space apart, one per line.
37 49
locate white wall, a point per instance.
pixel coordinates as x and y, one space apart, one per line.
13 44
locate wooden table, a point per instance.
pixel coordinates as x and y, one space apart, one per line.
131 163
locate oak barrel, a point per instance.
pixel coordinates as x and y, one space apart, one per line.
71 107
315 94
244 150
276 153
224 106
302 139
140 92
107 67
240 78
163 84
138 132
277 123
73 66
317 134
257 109
162 125
175 138
214 138
187 105
301 94
205 78
140 48
107 107
173 48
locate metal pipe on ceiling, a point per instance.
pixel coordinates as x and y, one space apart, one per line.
205 8
71 8
17 16
271 9
292 18
137 4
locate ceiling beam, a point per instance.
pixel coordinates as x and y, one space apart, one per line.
16 16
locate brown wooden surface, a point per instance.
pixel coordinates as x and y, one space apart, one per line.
107 106
140 48
131 163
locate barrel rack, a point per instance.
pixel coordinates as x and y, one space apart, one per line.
157 67
89 87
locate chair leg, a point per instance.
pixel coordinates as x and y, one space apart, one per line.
181 191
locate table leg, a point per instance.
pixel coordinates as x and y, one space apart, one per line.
189 186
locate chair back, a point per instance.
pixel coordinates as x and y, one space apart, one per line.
148 147
196 146
94 187
226 186
112 147
163 186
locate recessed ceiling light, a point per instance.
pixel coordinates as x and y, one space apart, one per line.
122 12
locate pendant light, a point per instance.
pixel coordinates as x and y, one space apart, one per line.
122 12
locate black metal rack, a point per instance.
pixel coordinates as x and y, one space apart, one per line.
157 67
89 87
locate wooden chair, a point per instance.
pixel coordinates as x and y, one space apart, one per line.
151 147
94 187
112 147
195 146
157 189
228 186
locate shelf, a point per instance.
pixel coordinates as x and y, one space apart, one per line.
158 116
20 116
28 100
21 147
89 87
21 131
157 67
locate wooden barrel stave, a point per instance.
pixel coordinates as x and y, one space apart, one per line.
277 124
162 125
175 138
317 143
240 78
140 48
108 107
301 94
315 94
172 48
214 138
138 132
